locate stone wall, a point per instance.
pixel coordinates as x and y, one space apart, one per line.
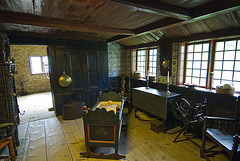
32 83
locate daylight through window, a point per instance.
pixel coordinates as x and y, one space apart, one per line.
39 64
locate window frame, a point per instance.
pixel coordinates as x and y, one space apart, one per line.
146 60
234 60
208 63
211 60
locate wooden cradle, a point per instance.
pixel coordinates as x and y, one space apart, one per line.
102 125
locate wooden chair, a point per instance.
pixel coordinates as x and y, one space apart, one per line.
8 142
123 86
226 135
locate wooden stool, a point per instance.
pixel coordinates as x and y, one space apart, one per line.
8 142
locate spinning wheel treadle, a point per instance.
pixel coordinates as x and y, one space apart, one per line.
181 109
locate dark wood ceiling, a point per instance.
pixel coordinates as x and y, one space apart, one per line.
127 22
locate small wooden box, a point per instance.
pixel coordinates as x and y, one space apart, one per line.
156 125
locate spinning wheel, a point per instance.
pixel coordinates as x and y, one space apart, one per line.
191 117
181 109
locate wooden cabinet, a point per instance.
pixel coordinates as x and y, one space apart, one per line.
153 101
87 64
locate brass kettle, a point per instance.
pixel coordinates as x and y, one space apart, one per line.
64 80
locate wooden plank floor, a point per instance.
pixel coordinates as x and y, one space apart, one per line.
55 139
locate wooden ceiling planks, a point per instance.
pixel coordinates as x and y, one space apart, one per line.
126 22
185 3
164 8
54 8
25 6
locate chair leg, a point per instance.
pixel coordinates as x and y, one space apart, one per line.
11 149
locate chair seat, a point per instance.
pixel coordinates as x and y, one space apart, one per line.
223 138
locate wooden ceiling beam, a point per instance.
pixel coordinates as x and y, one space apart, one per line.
213 8
161 24
34 20
204 11
220 34
161 7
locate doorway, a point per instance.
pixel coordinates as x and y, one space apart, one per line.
32 82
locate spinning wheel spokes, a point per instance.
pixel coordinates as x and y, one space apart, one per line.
181 109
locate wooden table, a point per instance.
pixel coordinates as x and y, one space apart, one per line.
153 101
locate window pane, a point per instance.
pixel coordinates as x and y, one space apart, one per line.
230 45
197 56
229 55
202 82
205 56
189 72
190 56
236 76
219 46
195 80
216 82
190 48
36 64
198 48
204 73
217 74
219 56
155 58
45 59
196 73
238 45
228 65
150 58
237 66
45 64
225 81
218 65
196 64
189 64
227 75
236 86
204 65
206 47
188 80
238 55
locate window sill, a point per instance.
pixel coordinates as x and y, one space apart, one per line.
208 90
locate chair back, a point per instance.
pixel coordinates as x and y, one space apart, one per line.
122 84
237 116
199 110
237 109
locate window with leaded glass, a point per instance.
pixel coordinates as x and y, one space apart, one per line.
152 62
227 63
197 64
